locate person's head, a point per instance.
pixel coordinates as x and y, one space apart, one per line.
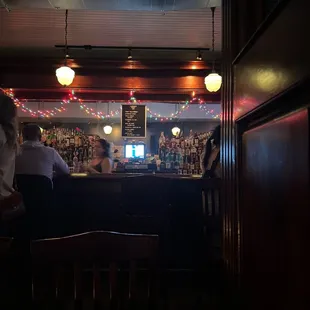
216 135
32 132
102 148
215 138
8 119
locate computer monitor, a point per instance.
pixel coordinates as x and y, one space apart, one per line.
135 151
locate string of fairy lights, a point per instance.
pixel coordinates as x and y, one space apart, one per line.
72 98
210 112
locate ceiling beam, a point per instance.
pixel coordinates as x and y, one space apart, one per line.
21 63
141 48
153 80
120 81
47 95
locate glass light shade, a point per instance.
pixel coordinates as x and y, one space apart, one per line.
175 131
213 82
107 129
65 75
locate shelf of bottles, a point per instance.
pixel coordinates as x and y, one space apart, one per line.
183 154
75 147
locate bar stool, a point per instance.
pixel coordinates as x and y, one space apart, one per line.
73 257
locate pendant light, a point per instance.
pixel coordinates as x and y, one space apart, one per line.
175 131
107 129
65 75
213 81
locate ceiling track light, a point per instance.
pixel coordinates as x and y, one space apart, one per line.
199 56
129 57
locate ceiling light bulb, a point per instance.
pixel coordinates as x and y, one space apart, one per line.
199 57
65 75
175 131
129 57
107 129
213 82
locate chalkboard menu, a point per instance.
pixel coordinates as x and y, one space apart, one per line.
133 121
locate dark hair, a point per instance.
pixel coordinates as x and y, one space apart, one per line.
106 147
32 132
216 137
8 112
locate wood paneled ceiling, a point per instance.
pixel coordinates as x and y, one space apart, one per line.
37 31
28 57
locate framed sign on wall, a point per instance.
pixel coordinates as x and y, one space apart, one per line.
133 121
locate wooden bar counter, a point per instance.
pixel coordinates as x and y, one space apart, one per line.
165 204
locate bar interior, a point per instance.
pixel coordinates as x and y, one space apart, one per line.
162 185
147 97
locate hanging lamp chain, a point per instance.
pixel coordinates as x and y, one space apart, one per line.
213 38
66 38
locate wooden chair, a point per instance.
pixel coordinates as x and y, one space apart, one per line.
93 250
37 191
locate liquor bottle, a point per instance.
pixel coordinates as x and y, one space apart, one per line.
72 140
162 166
53 139
176 165
90 153
20 138
196 140
80 149
75 161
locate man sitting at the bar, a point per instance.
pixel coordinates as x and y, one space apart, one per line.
37 159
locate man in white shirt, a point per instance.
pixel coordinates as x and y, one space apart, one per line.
37 159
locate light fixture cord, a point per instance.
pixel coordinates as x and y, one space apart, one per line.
213 38
66 37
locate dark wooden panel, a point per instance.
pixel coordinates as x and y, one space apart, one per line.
275 58
236 31
104 81
228 198
157 77
89 64
52 95
275 212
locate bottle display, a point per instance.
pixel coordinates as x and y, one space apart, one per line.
182 153
75 147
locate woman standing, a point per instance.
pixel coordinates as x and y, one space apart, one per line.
102 162
211 159
8 148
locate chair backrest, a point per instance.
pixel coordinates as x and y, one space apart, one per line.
96 249
36 189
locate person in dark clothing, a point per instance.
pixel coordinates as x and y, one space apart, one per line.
211 159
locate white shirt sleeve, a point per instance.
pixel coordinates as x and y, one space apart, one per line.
59 164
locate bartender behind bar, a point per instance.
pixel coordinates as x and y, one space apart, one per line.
102 162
